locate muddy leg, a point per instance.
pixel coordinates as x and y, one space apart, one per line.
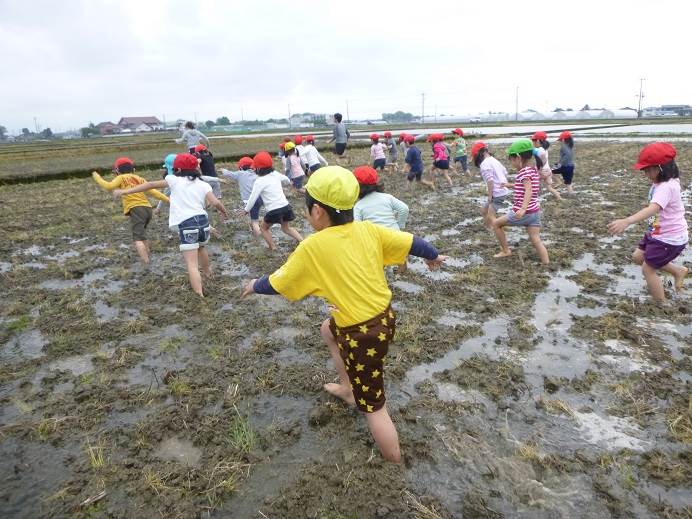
498 225
385 435
287 229
190 257
535 237
267 235
638 256
142 250
203 258
343 389
255 228
678 274
654 282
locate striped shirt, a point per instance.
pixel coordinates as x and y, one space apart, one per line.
529 172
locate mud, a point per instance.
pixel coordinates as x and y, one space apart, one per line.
517 390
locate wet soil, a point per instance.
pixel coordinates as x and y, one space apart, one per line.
517 390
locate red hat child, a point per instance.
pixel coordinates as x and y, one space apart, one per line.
310 138
200 147
477 147
366 175
263 160
564 135
374 136
458 131
298 139
409 139
387 135
185 161
539 136
245 162
122 161
655 154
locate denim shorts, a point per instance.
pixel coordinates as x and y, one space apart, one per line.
194 232
441 164
464 161
315 167
254 212
298 181
414 175
379 163
498 202
528 220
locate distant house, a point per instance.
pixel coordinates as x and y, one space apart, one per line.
681 110
618 114
137 124
108 128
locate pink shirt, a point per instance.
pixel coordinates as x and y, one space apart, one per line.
439 152
493 170
669 225
377 151
530 173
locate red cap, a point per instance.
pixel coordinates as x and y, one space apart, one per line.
409 139
366 175
564 135
244 161
298 139
477 147
539 136
655 154
185 161
458 131
402 135
387 135
310 138
374 136
263 160
282 145
200 147
121 161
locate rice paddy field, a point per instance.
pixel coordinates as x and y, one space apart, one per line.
517 390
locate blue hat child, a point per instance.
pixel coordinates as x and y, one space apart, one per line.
168 163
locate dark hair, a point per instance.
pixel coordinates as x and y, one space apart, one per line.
263 171
337 217
526 156
191 174
366 189
569 141
338 117
667 171
289 152
125 168
545 144
190 125
479 156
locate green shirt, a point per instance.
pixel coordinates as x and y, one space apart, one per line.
461 147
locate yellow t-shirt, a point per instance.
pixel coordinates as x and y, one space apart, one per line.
344 265
126 181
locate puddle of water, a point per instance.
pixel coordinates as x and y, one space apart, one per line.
180 450
292 356
418 266
448 392
611 433
459 263
450 232
34 250
678 498
78 364
476 220
36 265
668 332
285 334
5 267
61 257
89 280
105 312
409 288
454 318
27 345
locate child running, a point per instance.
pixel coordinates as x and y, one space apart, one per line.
208 168
393 151
526 211
189 196
566 165
268 188
377 152
402 144
459 149
666 236
495 176
245 176
414 164
136 206
312 157
300 151
293 167
343 262
192 137
541 145
440 158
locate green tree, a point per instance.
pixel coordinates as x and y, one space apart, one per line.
209 124
25 131
89 131
223 121
47 133
398 116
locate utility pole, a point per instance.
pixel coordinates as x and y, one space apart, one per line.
516 105
289 115
242 115
422 109
641 96
348 117
36 124
435 114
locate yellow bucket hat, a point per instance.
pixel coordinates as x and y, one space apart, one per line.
334 186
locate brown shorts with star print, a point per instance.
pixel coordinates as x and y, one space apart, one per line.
363 347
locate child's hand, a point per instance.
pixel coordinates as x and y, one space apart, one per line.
249 289
520 214
435 264
618 226
117 193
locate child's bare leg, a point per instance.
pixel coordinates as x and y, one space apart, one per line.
638 256
343 389
498 225
678 274
255 228
142 251
385 435
203 258
549 187
447 177
535 237
287 229
267 235
190 257
653 281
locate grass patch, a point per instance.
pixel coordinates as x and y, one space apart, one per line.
95 452
19 325
243 437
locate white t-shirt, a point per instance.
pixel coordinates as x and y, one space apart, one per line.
187 198
492 169
312 156
269 188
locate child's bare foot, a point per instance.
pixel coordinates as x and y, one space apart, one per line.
208 274
503 254
342 392
680 279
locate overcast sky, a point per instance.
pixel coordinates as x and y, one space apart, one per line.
70 62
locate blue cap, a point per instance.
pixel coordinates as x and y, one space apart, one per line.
168 163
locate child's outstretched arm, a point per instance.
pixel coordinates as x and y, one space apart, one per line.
108 186
159 196
146 186
423 249
619 226
258 286
216 204
321 158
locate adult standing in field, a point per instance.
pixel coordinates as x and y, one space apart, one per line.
192 137
340 136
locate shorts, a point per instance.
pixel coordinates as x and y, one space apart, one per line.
528 220
441 164
499 202
414 174
363 347
254 212
140 216
658 254
464 161
315 167
280 215
194 232
339 148
379 163
567 173
546 176
298 181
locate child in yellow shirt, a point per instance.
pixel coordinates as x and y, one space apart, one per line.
136 206
343 263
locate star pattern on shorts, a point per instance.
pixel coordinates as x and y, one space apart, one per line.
365 388
348 337
361 401
371 352
363 329
369 408
379 392
360 367
353 344
350 356
391 314
376 373
382 337
384 321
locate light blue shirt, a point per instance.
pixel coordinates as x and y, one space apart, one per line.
382 209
